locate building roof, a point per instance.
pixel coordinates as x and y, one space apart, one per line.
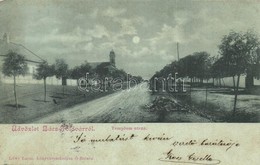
6 47
95 64
105 64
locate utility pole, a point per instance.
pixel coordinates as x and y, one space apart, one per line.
178 51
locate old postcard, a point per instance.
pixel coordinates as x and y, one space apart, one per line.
130 82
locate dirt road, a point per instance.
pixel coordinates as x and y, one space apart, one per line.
124 106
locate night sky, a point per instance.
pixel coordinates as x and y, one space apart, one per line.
143 33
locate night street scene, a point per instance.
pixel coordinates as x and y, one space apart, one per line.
129 61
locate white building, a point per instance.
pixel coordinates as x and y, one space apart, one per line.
32 61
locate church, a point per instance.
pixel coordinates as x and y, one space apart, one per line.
33 60
109 65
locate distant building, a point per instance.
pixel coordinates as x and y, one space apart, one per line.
7 46
110 65
33 60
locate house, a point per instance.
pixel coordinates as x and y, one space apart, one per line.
32 59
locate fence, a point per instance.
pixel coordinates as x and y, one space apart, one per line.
28 79
228 81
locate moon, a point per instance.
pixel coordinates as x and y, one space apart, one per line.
136 39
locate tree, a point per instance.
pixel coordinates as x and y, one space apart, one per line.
42 72
253 71
139 79
201 64
119 74
80 71
61 68
208 62
216 70
196 65
61 71
187 67
256 64
236 50
102 70
14 65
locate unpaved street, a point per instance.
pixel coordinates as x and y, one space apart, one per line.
124 106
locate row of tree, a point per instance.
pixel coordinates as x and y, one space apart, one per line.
239 53
195 66
16 64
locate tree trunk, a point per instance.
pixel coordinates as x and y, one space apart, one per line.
206 102
234 83
249 80
190 94
15 95
219 80
44 80
236 93
64 82
223 82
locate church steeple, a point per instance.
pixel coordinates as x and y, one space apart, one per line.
112 57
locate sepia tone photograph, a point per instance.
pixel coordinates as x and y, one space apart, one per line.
129 61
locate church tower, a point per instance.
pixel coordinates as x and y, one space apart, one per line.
112 58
